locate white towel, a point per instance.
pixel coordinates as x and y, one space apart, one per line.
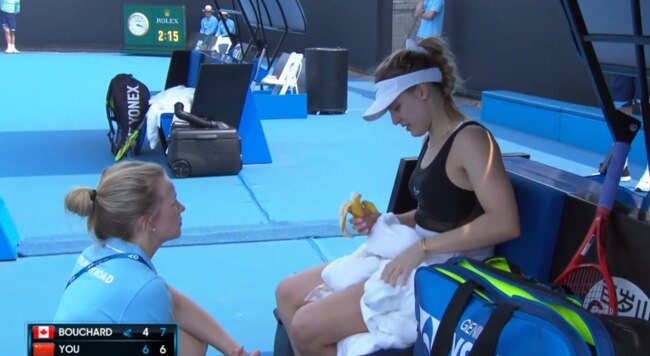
162 103
387 311
344 272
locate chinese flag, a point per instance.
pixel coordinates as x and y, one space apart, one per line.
43 349
43 332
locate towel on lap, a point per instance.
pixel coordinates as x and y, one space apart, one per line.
387 311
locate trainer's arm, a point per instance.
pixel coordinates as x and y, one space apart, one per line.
195 320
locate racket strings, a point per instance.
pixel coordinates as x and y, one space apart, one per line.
588 283
581 280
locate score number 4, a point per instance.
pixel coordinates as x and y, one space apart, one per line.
168 36
145 332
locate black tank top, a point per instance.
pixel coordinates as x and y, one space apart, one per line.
442 205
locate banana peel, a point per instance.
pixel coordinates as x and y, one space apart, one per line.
354 206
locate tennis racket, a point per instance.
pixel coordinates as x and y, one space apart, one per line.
131 141
592 280
128 144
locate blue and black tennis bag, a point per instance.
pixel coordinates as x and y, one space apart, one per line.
468 307
127 102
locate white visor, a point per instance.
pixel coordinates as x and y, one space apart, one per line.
388 90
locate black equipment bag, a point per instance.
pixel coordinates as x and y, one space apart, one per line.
127 102
200 147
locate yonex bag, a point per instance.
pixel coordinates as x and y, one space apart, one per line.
127 102
471 307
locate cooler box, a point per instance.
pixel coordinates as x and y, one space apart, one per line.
195 151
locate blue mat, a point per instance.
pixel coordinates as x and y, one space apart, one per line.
45 153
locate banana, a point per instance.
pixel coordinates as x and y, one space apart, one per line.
355 206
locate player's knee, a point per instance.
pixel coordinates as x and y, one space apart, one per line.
305 331
285 295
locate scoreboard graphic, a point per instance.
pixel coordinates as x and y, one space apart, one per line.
154 28
102 339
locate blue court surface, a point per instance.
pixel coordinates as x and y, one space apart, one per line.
241 234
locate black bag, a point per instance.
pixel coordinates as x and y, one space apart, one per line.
201 147
127 102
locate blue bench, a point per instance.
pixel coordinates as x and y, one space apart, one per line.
577 125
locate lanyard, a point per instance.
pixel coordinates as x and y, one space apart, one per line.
91 265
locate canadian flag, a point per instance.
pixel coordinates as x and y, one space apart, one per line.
43 332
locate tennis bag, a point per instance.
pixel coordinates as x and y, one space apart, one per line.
127 102
468 307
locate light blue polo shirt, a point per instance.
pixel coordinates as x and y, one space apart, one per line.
221 29
120 290
432 27
208 25
10 6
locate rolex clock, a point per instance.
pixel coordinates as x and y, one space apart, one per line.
138 24
154 28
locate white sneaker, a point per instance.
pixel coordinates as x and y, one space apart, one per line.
15 51
9 50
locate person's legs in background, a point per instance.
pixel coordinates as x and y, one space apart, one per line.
9 27
624 90
10 37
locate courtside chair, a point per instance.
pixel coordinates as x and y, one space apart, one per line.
288 79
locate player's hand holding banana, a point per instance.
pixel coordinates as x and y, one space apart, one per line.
364 215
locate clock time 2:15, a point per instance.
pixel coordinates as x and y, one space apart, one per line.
168 36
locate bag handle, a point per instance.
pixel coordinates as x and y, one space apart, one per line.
445 333
486 344
489 337
110 116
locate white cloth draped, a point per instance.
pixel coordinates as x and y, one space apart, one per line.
389 312
162 103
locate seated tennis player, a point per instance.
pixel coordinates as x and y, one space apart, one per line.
466 204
